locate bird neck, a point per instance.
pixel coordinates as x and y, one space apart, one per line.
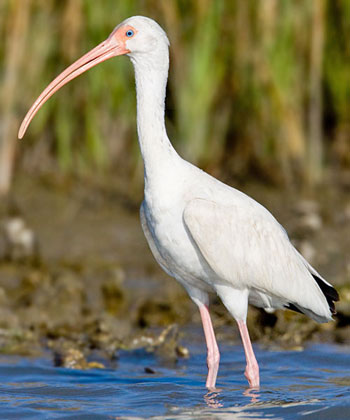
156 149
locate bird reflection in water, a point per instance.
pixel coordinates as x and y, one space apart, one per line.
211 399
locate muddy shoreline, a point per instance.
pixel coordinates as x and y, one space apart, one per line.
81 283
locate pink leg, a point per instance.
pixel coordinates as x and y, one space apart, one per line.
213 358
252 369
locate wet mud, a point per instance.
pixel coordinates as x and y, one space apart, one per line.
78 281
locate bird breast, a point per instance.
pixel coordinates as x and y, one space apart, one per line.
175 250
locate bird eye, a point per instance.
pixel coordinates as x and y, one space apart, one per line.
129 33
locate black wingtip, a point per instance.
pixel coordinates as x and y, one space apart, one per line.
292 307
329 291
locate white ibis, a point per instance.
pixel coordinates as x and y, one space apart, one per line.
208 236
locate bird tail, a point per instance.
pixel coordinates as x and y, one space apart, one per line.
329 292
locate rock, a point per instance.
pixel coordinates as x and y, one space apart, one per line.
182 351
311 222
73 358
18 240
113 295
156 313
307 250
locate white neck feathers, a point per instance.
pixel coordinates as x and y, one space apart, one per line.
151 73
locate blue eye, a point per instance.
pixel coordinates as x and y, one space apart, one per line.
129 33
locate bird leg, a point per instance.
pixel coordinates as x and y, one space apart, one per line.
252 368
213 358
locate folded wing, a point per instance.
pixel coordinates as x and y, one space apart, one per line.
246 247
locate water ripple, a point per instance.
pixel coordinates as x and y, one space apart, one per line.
313 384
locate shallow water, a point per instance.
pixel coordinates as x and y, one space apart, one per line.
312 384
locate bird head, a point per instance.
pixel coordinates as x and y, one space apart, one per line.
139 37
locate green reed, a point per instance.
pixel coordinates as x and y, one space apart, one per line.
254 86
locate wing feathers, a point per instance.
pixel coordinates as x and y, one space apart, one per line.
330 293
246 247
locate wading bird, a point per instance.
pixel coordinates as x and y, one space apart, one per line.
208 236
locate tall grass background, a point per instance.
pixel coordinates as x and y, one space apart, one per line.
256 89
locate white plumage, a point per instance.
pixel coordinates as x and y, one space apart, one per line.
209 236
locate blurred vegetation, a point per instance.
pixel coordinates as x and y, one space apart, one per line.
256 88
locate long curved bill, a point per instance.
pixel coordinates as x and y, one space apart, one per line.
107 49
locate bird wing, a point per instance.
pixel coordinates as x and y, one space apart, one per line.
246 247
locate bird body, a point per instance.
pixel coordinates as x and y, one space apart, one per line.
207 235
210 236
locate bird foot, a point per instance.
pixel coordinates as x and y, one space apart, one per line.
252 375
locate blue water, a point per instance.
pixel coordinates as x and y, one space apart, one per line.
312 384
